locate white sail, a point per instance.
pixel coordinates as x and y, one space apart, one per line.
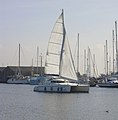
54 48
67 65
59 59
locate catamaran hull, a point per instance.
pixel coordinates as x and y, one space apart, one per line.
62 89
80 88
108 85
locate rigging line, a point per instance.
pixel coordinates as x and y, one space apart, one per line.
24 58
14 57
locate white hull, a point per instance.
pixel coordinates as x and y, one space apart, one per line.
62 88
109 85
18 81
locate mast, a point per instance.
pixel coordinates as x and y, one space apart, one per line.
84 61
32 71
78 56
19 60
88 63
116 47
63 41
94 65
113 50
41 64
37 58
109 64
106 59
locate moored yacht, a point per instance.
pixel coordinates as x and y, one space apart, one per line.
109 82
61 86
18 80
59 63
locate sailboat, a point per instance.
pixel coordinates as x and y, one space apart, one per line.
18 78
59 65
109 81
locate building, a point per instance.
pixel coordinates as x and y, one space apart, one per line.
10 71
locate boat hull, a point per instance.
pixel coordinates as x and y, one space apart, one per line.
81 88
62 88
21 81
108 85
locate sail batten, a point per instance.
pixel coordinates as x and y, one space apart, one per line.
53 53
58 33
55 43
52 64
59 22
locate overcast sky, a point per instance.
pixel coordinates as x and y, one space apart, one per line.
29 22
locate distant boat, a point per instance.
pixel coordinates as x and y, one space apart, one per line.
112 81
35 80
109 83
18 78
59 64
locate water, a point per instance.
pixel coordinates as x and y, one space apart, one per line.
19 102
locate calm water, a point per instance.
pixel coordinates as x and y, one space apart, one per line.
19 102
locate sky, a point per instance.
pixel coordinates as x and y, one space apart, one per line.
29 22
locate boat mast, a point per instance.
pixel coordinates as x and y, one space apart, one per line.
78 56
37 58
116 47
63 41
106 59
88 63
41 64
19 60
109 64
84 61
32 71
113 50
94 65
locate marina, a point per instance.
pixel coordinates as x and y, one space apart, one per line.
66 63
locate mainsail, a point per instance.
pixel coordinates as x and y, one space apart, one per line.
59 58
